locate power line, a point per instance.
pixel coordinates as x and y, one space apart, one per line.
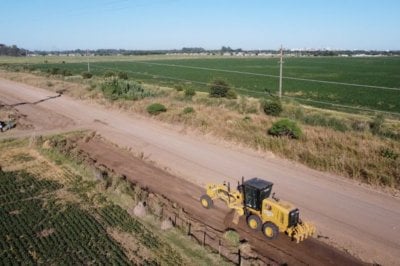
271 76
252 92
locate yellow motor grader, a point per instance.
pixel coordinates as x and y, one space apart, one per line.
269 214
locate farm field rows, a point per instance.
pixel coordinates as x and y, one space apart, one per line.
252 76
51 214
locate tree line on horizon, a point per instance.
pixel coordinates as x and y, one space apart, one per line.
13 50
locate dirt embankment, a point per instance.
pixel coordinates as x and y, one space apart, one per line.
179 201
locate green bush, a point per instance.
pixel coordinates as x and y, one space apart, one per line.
231 94
123 75
58 71
188 110
219 88
115 89
178 87
156 108
86 75
109 74
190 92
271 106
285 127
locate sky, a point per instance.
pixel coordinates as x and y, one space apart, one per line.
211 24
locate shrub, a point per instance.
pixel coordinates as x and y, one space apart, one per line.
190 92
231 94
388 153
285 127
178 87
122 89
219 88
54 71
156 108
66 72
109 74
188 110
272 106
376 124
86 75
123 75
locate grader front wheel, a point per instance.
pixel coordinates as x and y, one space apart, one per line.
206 201
254 222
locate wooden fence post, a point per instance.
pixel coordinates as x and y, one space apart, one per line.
219 247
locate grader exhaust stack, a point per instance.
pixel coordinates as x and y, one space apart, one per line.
271 215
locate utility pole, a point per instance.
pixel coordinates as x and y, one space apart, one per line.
280 73
88 63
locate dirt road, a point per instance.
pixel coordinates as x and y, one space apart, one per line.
355 218
279 252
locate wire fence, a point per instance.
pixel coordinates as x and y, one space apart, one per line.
213 239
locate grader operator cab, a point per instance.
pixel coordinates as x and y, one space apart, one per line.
263 211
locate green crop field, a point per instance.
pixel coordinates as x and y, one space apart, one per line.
35 227
252 76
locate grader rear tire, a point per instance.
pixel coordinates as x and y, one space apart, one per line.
270 230
206 201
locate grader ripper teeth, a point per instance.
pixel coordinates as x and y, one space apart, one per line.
269 214
301 231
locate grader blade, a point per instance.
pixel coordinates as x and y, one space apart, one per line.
236 217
